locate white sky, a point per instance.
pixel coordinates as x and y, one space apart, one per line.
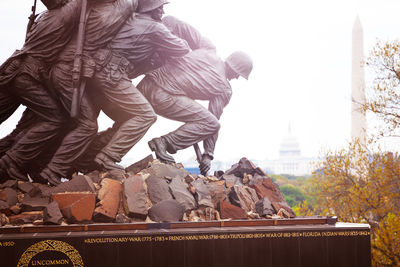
302 68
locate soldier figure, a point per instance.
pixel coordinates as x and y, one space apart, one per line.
22 81
104 20
180 66
142 44
173 88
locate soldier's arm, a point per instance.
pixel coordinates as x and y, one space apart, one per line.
125 7
169 45
188 32
68 15
216 107
72 9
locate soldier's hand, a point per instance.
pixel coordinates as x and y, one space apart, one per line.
205 164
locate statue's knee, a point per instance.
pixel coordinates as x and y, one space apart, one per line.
90 127
151 117
217 125
214 125
93 127
154 118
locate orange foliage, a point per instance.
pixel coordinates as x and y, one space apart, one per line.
361 187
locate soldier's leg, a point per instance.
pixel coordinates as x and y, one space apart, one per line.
133 116
27 120
78 139
8 104
50 118
199 123
86 162
9 101
74 143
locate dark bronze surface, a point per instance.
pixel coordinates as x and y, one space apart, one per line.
76 61
286 245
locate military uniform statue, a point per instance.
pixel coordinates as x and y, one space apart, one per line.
22 81
142 44
104 20
123 39
173 88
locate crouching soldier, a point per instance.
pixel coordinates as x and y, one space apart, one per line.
173 89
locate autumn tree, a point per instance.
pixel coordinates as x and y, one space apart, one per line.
360 186
293 195
383 99
361 183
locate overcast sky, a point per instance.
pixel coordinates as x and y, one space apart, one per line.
302 68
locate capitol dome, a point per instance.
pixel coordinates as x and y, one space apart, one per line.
289 146
290 161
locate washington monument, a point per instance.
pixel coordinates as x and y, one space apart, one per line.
358 118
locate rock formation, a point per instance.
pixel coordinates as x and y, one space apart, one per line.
149 191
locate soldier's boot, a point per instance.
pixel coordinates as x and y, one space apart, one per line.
159 146
11 169
107 163
47 175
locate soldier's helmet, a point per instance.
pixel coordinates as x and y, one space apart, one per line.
52 4
148 5
241 63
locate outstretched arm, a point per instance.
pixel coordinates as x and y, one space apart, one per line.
188 32
168 44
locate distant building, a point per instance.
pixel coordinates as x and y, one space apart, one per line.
290 160
358 99
358 118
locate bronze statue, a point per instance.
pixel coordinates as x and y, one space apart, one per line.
22 81
142 44
173 88
104 19
91 68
